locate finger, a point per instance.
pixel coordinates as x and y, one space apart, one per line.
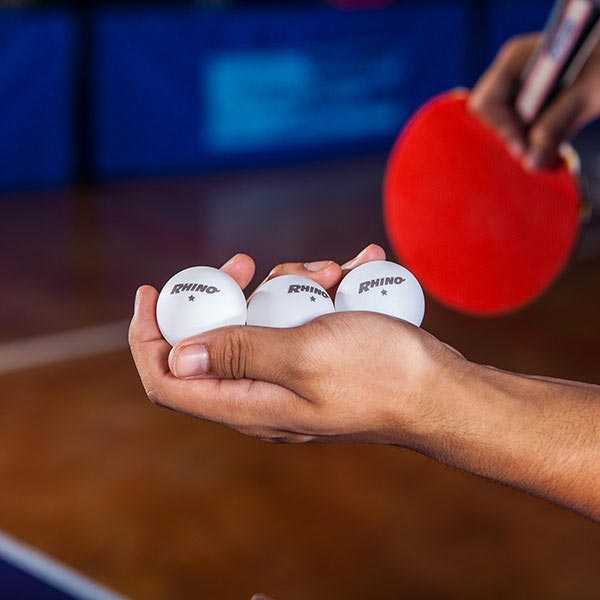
493 96
509 128
255 408
570 112
502 79
242 268
257 353
560 122
326 273
149 349
370 253
144 325
323 272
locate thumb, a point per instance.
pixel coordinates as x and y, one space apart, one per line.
560 122
244 352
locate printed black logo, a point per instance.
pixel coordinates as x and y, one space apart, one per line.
365 286
194 287
307 289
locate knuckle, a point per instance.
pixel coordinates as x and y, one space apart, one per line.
298 438
310 348
262 434
477 101
155 397
509 49
313 349
593 110
285 438
322 329
589 104
273 439
154 391
515 45
235 355
545 136
132 339
278 270
284 269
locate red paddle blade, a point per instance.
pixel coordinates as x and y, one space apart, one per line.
482 235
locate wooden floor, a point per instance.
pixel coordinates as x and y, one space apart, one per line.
159 506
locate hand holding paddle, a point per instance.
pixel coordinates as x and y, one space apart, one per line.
573 108
483 234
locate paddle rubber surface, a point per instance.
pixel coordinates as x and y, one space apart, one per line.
481 234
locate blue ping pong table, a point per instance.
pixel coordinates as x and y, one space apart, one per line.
27 574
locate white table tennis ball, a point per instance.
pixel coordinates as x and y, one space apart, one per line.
288 301
382 287
197 300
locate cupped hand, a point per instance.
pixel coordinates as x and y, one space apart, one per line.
344 377
494 95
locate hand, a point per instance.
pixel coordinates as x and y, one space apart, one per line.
493 97
344 377
365 377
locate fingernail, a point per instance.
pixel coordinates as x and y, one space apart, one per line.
317 266
191 361
534 161
351 263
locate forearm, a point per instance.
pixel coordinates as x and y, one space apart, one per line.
538 435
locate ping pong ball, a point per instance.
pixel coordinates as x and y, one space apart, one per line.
288 301
197 300
382 287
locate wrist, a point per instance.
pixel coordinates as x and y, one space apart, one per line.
423 415
446 409
471 414
532 433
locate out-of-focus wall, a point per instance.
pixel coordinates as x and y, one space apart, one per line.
37 88
137 90
185 90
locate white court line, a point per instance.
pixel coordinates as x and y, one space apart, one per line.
52 572
35 352
60 347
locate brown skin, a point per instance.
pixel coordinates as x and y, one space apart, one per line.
493 97
365 377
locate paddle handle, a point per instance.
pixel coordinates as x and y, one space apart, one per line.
568 40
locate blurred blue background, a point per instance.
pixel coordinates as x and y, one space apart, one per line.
105 91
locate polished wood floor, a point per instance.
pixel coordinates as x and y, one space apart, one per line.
160 506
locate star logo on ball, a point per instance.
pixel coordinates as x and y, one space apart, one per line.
384 292
313 299
191 298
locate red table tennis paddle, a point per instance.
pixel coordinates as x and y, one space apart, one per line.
482 234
